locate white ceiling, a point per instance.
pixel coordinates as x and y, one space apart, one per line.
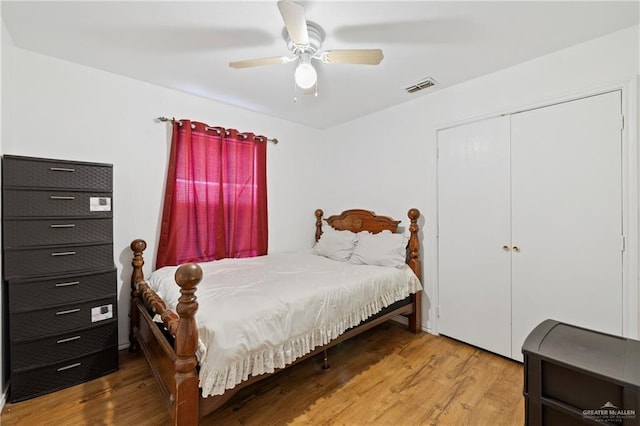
187 45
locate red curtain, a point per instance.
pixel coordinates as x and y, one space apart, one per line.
215 203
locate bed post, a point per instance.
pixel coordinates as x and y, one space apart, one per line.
184 408
415 264
137 246
319 214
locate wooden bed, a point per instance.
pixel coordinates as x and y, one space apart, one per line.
174 364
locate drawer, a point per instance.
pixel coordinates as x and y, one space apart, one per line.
43 173
28 354
56 260
59 319
35 382
40 293
25 203
25 233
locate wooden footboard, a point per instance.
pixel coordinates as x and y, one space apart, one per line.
174 367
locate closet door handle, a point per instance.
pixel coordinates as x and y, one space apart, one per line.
505 248
516 249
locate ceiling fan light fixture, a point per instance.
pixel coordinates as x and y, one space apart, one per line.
305 75
304 40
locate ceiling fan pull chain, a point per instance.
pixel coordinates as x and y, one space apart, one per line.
295 90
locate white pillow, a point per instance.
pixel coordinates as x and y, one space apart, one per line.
163 282
336 245
384 249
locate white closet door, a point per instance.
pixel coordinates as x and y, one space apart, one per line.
567 216
473 216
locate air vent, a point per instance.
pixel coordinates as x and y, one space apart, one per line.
422 84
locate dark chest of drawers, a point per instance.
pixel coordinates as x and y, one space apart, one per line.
59 276
576 376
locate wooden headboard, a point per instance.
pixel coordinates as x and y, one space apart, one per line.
357 220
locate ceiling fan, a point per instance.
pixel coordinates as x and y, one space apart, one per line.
304 40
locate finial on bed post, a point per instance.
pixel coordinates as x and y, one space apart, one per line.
138 247
319 214
186 342
414 263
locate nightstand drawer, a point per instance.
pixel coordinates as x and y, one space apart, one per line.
60 319
24 203
32 383
23 263
28 233
60 347
34 294
43 173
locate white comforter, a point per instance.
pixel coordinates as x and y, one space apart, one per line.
262 313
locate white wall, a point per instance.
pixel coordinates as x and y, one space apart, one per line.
387 160
64 110
6 68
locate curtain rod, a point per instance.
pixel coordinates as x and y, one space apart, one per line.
273 141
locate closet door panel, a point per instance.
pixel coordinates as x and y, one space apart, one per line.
567 216
473 217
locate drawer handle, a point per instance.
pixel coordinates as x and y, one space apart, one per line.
61 169
65 225
68 311
67 284
63 253
70 366
68 339
59 197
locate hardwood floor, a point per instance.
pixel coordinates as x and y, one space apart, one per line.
386 376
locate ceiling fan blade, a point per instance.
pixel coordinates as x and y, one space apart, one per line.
274 60
352 56
293 17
